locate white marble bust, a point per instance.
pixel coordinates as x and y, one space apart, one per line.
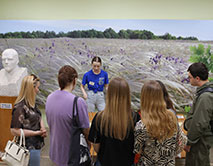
11 75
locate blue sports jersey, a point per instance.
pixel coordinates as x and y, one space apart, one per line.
95 82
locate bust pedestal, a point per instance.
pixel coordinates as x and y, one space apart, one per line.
6 106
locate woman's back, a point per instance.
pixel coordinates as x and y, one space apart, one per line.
59 114
113 152
157 134
62 124
112 130
153 152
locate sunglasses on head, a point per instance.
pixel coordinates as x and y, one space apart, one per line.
34 76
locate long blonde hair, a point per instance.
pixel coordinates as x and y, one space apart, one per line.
116 120
27 91
160 122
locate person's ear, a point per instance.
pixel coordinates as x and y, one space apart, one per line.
75 82
197 78
76 79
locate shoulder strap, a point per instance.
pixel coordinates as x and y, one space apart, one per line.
208 89
74 148
75 107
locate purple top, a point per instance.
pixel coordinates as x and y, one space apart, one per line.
59 107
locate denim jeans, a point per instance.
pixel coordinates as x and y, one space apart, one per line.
97 163
35 155
95 100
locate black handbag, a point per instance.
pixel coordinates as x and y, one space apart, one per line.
79 151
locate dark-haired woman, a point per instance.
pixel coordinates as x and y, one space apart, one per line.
59 112
95 79
169 103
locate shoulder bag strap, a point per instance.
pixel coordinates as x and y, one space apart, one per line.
75 107
207 89
74 154
21 137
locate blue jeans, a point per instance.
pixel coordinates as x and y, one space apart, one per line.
97 163
95 100
35 156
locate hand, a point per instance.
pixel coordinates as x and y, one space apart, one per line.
43 132
85 96
187 148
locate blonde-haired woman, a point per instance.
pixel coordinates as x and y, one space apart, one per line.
158 137
112 130
27 116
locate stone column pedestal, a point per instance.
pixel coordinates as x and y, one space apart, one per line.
6 106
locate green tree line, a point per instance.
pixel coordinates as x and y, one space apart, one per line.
108 33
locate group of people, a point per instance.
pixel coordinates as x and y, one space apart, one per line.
117 133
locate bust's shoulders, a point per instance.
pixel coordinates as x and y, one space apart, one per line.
22 69
18 69
17 74
2 70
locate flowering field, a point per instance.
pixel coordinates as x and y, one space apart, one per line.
134 60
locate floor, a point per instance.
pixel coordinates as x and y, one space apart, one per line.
45 161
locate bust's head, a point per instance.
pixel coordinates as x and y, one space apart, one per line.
10 59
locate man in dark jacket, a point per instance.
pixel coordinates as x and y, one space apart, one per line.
199 118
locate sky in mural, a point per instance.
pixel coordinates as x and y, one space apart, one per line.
202 29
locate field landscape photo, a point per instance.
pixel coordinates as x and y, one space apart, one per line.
135 57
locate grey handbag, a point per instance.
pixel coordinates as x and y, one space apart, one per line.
16 154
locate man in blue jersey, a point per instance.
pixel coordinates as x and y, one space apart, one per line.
96 80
